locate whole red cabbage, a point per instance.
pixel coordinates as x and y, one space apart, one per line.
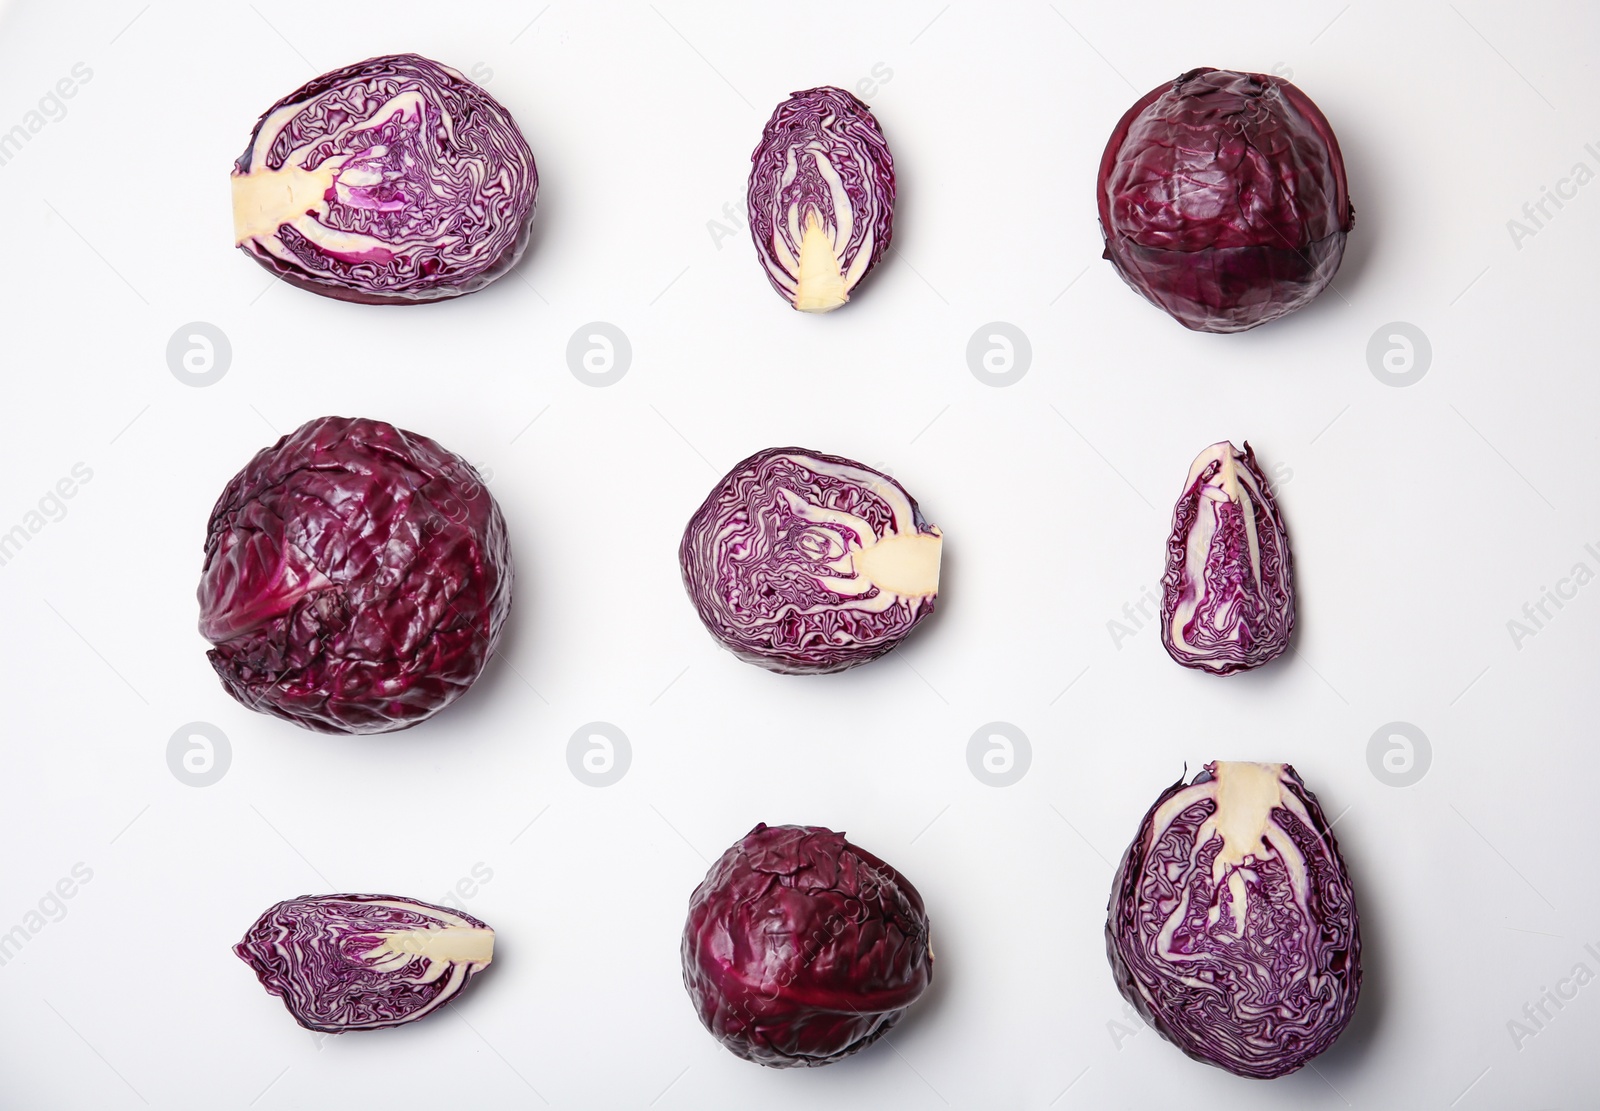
1223 199
1227 597
821 197
801 948
393 181
806 563
356 578
364 962
1232 925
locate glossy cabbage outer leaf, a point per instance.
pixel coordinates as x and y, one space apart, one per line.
393 181
806 563
821 197
1232 926
1223 199
364 962
356 578
1227 598
801 948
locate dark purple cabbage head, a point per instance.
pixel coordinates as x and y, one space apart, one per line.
806 563
1232 927
821 197
802 949
356 578
1227 598
1223 199
393 181
364 962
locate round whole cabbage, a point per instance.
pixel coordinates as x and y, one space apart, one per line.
356 578
1227 597
806 563
393 181
1232 926
1223 199
821 197
364 962
801 948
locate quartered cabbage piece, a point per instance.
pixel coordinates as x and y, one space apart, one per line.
808 563
364 962
1227 598
821 197
392 181
1232 926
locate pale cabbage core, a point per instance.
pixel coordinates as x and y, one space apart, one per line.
901 563
1245 795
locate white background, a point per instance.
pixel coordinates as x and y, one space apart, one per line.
1423 519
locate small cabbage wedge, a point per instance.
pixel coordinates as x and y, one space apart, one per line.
821 197
1227 597
1232 925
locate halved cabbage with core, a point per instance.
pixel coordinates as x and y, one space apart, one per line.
804 562
392 181
1232 925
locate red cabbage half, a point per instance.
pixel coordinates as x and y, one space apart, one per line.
1232 926
821 197
1223 199
356 578
393 181
364 962
809 563
1227 598
801 948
